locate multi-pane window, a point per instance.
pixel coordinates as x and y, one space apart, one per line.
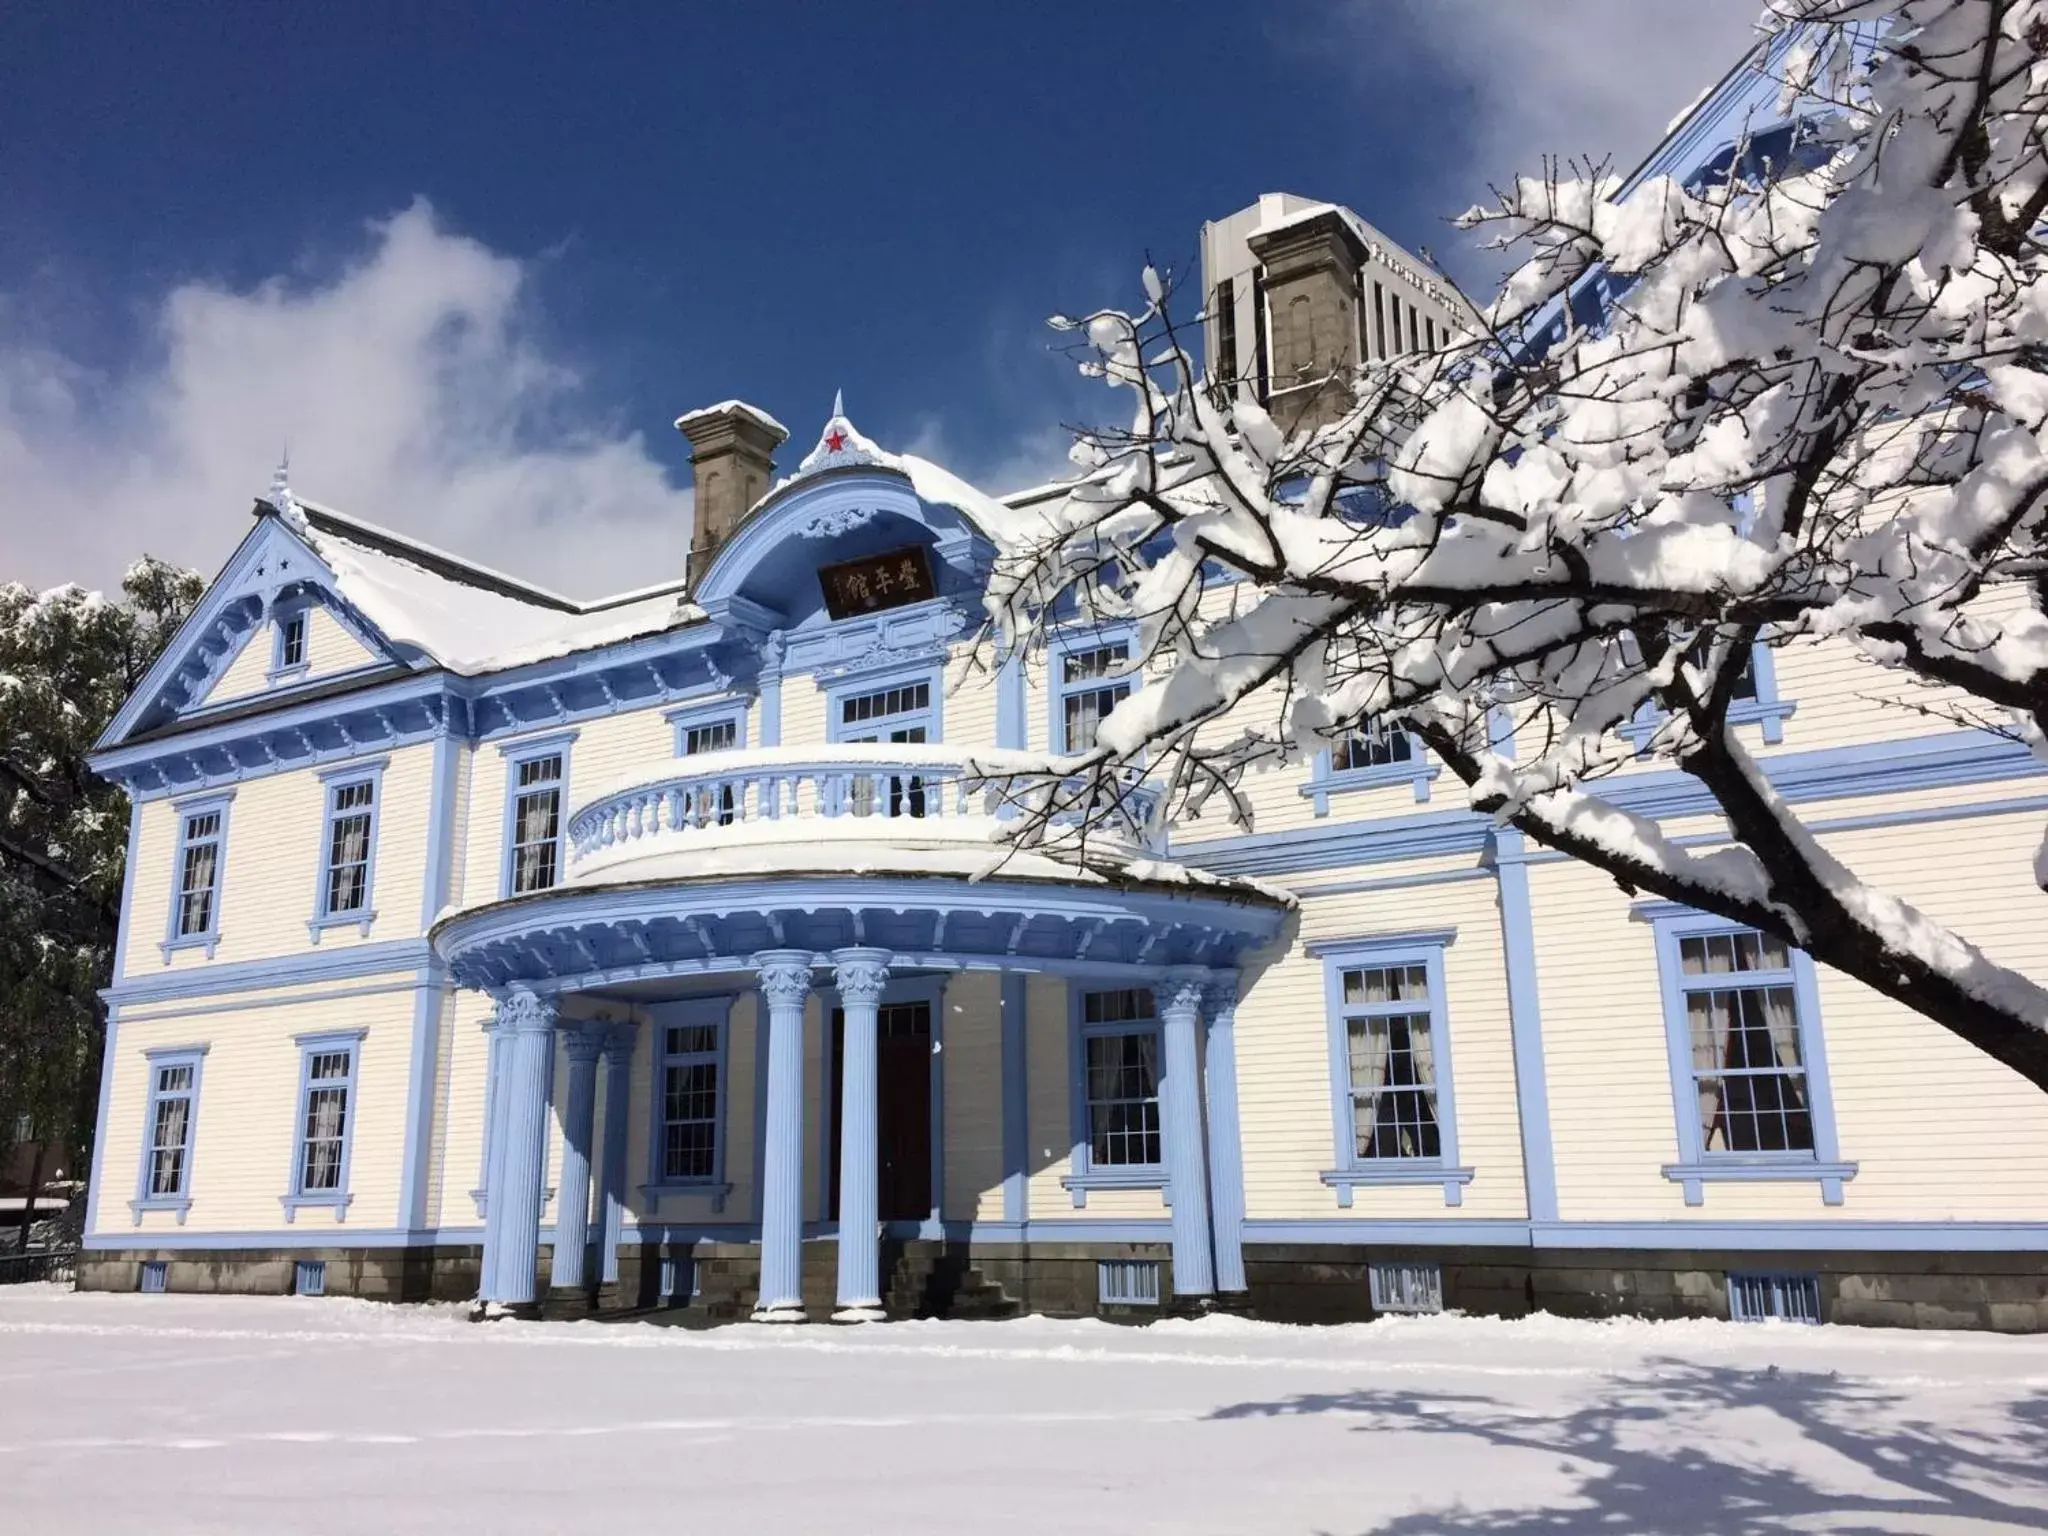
172 1087
291 642
1392 1059
1376 744
1088 692
706 807
900 713
537 823
1742 1023
323 1132
199 873
1120 1069
689 1102
350 821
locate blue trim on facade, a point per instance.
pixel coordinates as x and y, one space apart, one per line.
1012 711
180 1199
1525 1025
333 782
296 1197
1696 1166
282 971
713 1013
1350 1172
186 808
430 1000
516 754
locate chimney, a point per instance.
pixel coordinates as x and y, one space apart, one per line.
730 444
1309 274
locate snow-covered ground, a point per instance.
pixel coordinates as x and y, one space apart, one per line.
176 1413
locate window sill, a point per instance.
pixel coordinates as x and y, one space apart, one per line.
1149 1177
1771 714
179 1203
206 941
716 1190
1418 774
1775 1170
330 1200
360 921
1396 1172
277 677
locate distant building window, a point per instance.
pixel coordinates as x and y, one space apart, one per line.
291 642
1225 367
1120 1046
1088 692
351 818
1379 319
1414 329
537 824
326 1122
1743 1020
689 1102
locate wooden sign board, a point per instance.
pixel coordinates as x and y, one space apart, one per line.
875 582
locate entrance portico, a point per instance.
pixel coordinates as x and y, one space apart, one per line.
847 939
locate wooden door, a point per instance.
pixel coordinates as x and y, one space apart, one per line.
903 1109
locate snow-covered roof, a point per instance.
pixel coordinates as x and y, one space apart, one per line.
465 616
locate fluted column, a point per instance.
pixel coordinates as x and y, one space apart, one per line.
572 1196
859 975
514 1216
785 984
611 1168
1226 1148
495 1081
1180 1013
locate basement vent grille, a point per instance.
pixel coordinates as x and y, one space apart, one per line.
1792 1298
156 1276
1128 1282
679 1280
1407 1287
309 1277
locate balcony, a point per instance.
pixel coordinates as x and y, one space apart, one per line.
895 807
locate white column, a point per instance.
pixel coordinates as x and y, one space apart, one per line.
1226 1147
1180 1012
611 1171
514 1201
859 975
785 984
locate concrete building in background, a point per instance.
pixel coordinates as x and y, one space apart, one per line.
1298 291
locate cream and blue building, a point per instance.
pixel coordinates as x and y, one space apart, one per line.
656 952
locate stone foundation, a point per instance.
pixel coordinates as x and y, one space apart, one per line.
2007 1292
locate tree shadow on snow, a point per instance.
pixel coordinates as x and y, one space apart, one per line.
1911 1472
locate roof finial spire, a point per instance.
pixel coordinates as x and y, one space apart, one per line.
280 495
838 402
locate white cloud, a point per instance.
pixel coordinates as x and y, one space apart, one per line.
1596 78
412 392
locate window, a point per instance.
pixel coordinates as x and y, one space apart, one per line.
1390 1064
698 732
164 1182
348 864
290 646
1379 319
1087 691
1370 756
686 1148
1749 1079
1755 702
1224 368
1127 1282
1118 1134
195 888
1401 1287
1790 1298
326 1121
537 824
536 813
900 713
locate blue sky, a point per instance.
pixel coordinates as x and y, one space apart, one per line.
471 261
